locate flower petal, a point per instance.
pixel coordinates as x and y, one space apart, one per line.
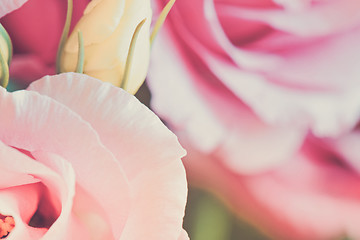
156 173
294 201
183 235
311 21
215 120
21 203
26 206
38 123
121 121
159 204
8 6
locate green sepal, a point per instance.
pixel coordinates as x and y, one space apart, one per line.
129 58
161 19
81 55
64 35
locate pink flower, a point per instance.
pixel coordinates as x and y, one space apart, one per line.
82 159
292 62
314 195
262 93
35 31
264 59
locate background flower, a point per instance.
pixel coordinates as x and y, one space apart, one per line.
35 31
250 87
107 28
84 159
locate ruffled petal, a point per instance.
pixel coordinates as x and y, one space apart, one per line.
159 204
183 235
38 123
121 121
156 173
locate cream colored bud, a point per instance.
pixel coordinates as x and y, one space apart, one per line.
107 27
5 56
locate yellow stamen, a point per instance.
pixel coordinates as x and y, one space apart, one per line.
7 224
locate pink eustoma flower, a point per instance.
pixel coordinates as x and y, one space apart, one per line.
35 31
262 94
82 159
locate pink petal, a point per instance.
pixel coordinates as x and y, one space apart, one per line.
213 119
295 201
308 200
26 167
308 21
90 216
21 204
159 204
8 6
25 199
66 192
346 147
38 123
283 73
315 95
183 235
156 173
129 124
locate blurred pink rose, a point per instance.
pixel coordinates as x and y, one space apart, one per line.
291 65
315 195
270 89
81 159
35 30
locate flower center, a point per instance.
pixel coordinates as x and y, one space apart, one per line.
7 224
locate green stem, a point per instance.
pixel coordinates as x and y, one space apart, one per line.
80 63
64 35
129 58
160 20
212 221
